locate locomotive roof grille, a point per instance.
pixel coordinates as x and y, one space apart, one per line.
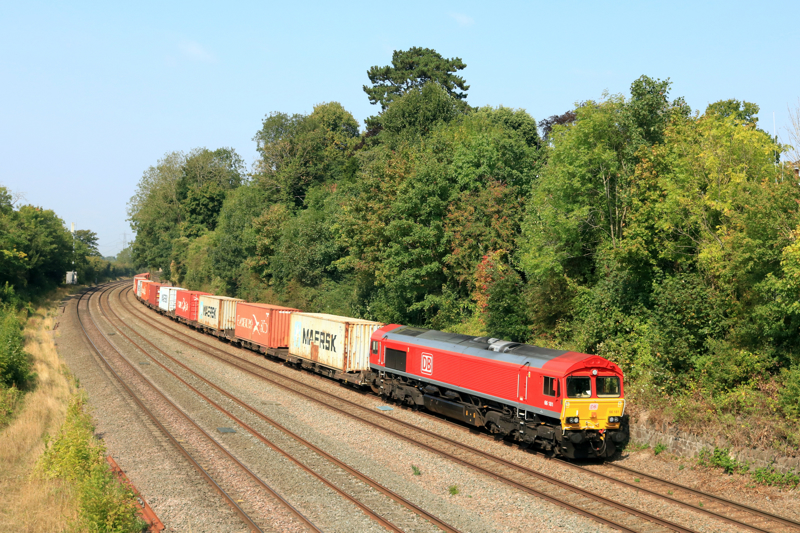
490 348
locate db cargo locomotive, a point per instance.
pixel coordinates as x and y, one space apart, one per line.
567 403
564 402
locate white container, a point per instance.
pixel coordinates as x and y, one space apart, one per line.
167 298
217 312
139 286
335 341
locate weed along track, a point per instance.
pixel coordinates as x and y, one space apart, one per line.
361 488
238 485
657 512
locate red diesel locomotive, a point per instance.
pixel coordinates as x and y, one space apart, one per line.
565 402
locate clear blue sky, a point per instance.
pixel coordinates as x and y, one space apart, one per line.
93 94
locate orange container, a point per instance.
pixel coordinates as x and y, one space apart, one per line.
263 324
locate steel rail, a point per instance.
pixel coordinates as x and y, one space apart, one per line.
163 429
303 519
504 462
702 510
710 497
375 485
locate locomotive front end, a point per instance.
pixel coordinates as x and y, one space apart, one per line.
592 414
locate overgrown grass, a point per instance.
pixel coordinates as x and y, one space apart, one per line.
34 503
721 458
739 416
10 401
77 457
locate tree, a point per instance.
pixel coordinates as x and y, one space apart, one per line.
744 112
89 239
412 69
298 151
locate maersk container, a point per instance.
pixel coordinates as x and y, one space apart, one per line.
168 298
264 324
335 341
186 304
217 312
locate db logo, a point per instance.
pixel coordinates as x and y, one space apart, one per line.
427 364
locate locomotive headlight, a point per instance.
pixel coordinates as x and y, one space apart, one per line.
613 420
573 420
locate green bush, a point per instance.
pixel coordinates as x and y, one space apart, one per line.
9 400
105 505
790 392
721 458
15 364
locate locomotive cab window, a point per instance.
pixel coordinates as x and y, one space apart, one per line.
374 346
607 386
550 387
579 387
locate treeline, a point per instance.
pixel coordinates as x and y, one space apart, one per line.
630 226
36 251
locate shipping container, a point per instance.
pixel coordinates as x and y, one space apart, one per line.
167 298
263 324
152 293
186 304
139 288
338 342
144 290
217 312
137 278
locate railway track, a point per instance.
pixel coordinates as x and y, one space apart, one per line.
735 513
208 457
354 475
576 499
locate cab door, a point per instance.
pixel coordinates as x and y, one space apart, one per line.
523 383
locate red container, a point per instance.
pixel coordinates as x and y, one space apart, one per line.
137 277
186 304
145 292
152 293
263 324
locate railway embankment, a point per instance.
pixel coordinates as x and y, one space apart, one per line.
672 439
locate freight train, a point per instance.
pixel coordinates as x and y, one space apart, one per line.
564 403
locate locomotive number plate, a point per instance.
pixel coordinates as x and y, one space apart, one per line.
593 407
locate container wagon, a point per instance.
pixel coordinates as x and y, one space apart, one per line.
168 299
186 305
264 328
215 314
334 346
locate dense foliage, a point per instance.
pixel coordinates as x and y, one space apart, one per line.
662 238
77 457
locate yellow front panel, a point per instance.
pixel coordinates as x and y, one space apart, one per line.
592 412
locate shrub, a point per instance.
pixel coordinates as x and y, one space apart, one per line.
790 392
721 458
9 400
77 457
15 364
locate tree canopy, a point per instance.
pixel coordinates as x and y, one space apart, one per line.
629 226
411 69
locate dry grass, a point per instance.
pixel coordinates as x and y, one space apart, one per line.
27 503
